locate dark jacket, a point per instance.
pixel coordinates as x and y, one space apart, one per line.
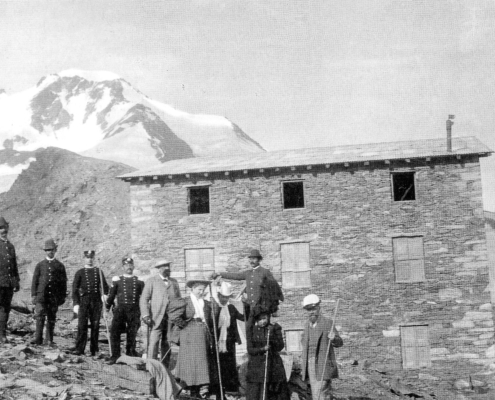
87 282
256 340
49 282
323 327
127 290
9 275
254 281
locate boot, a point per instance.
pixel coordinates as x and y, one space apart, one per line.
3 325
38 336
50 327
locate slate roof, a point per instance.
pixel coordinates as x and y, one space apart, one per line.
319 156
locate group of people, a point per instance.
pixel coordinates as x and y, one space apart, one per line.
205 330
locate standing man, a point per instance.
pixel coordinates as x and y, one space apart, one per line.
9 277
48 291
127 289
87 299
317 334
157 293
256 277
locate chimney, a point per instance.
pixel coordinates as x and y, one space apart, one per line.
449 132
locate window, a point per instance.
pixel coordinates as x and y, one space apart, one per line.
199 263
403 186
415 346
199 200
293 193
409 259
296 271
293 340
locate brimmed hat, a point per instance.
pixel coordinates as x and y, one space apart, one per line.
310 301
49 245
258 310
225 289
89 253
162 263
3 223
255 253
192 282
127 260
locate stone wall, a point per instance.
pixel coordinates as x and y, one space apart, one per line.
349 221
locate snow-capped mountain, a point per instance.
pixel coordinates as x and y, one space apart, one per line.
99 114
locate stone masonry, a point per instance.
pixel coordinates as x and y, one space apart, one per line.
349 221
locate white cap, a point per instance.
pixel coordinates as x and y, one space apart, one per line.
225 289
311 300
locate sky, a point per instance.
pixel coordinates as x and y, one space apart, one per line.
291 74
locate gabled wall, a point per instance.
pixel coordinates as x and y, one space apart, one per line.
349 221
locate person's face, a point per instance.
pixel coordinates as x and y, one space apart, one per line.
50 253
198 291
164 271
262 320
88 260
313 313
4 230
254 261
128 268
223 299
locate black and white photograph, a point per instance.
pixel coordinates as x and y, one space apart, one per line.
247 200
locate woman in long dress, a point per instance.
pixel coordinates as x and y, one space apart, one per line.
194 367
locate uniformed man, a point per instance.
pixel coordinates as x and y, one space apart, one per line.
255 277
88 300
9 277
127 290
48 292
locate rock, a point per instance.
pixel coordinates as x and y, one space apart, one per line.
461 384
54 356
428 377
48 369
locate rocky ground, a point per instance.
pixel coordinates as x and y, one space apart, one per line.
30 372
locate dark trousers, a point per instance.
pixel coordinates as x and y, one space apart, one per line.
274 391
45 311
126 318
89 309
6 294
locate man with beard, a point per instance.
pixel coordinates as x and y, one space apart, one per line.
157 293
317 334
9 277
87 298
126 316
256 278
48 291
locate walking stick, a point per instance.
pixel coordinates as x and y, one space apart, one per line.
148 339
216 343
266 363
328 347
105 313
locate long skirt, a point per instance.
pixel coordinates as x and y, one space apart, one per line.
193 362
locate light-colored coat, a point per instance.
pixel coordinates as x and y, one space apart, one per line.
323 327
156 296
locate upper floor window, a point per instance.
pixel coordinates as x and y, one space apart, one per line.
409 259
293 194
403 186
415 346
199 200
296 271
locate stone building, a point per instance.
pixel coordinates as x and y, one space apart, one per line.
395 231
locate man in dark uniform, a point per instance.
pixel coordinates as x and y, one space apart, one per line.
48 291
9 277
255 278
87 298
126 315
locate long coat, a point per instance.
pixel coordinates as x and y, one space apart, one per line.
256 340
9 275
195 365
156 296
323 327
49 282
